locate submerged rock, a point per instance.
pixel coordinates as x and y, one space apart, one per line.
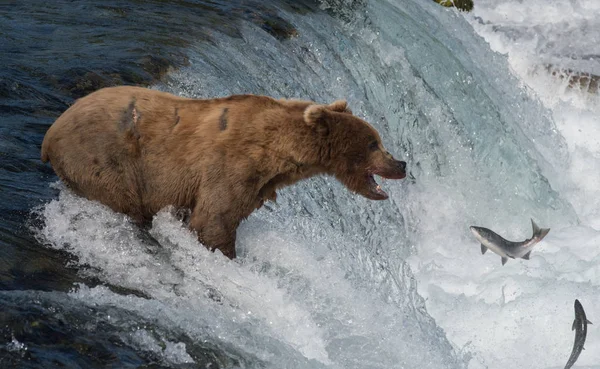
466 5
146 70
583 81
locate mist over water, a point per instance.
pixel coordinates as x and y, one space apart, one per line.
327 279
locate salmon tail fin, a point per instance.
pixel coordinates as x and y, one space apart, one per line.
538 232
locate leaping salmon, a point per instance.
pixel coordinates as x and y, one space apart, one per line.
580 327
508 249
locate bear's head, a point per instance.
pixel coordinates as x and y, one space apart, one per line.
354 153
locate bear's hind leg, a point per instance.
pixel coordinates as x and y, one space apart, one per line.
117 189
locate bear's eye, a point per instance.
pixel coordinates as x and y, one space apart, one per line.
373 145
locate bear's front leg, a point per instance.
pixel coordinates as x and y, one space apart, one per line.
214 233
264 195
227 248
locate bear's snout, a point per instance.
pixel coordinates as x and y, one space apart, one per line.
401 165
392 169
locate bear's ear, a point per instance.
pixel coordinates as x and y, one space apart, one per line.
340 106
316 116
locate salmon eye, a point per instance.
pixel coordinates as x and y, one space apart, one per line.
373 145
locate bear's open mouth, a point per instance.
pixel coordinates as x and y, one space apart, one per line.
376 193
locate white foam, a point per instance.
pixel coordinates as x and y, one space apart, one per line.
15 346
171 352
107 242
279 302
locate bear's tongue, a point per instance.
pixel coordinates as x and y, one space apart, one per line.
376 189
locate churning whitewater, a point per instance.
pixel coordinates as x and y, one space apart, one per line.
327 279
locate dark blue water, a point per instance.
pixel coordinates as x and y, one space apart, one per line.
51 53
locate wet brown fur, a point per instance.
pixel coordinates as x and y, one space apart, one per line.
124 147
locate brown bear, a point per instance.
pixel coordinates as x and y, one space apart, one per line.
139 150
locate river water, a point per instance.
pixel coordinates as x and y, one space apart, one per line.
324 278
